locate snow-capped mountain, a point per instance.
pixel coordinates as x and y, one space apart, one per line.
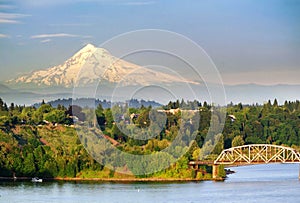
61 75
92 65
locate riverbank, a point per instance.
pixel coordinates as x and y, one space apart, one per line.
140 179
115 179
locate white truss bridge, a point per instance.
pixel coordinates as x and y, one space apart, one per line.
257 154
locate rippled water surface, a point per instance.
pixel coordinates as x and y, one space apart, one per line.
259 183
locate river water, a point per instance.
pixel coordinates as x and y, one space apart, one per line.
257 183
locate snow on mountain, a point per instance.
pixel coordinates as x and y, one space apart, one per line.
91 65
61 75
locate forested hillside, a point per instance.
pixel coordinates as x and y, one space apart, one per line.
43 142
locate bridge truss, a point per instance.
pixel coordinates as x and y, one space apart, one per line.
258 154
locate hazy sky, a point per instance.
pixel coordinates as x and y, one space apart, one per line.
250 41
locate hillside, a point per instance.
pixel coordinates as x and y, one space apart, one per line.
43 141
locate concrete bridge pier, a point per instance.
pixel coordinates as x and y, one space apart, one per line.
215 171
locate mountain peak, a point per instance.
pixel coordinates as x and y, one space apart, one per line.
89 46
108 69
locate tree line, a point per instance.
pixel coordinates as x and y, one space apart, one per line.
42 140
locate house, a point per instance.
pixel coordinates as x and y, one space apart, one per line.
232 117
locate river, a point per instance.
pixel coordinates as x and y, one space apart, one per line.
257 183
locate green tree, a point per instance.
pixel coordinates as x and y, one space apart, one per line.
109 118
28 168
55 116
196 154
221 171
100 116
38 115
237 141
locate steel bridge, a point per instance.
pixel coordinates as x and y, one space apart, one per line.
252 154
258 154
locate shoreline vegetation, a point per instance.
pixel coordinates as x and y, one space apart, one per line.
42 141
115 179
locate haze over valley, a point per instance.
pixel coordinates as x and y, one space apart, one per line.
92 67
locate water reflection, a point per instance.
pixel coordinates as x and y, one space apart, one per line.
257 183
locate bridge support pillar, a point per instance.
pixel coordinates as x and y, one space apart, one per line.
215 171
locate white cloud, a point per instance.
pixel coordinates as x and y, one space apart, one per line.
47 3
46 40
57 35
7 21
71 24
11 18
12 15
4 36
52 35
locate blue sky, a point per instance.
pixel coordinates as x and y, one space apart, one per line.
250 41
